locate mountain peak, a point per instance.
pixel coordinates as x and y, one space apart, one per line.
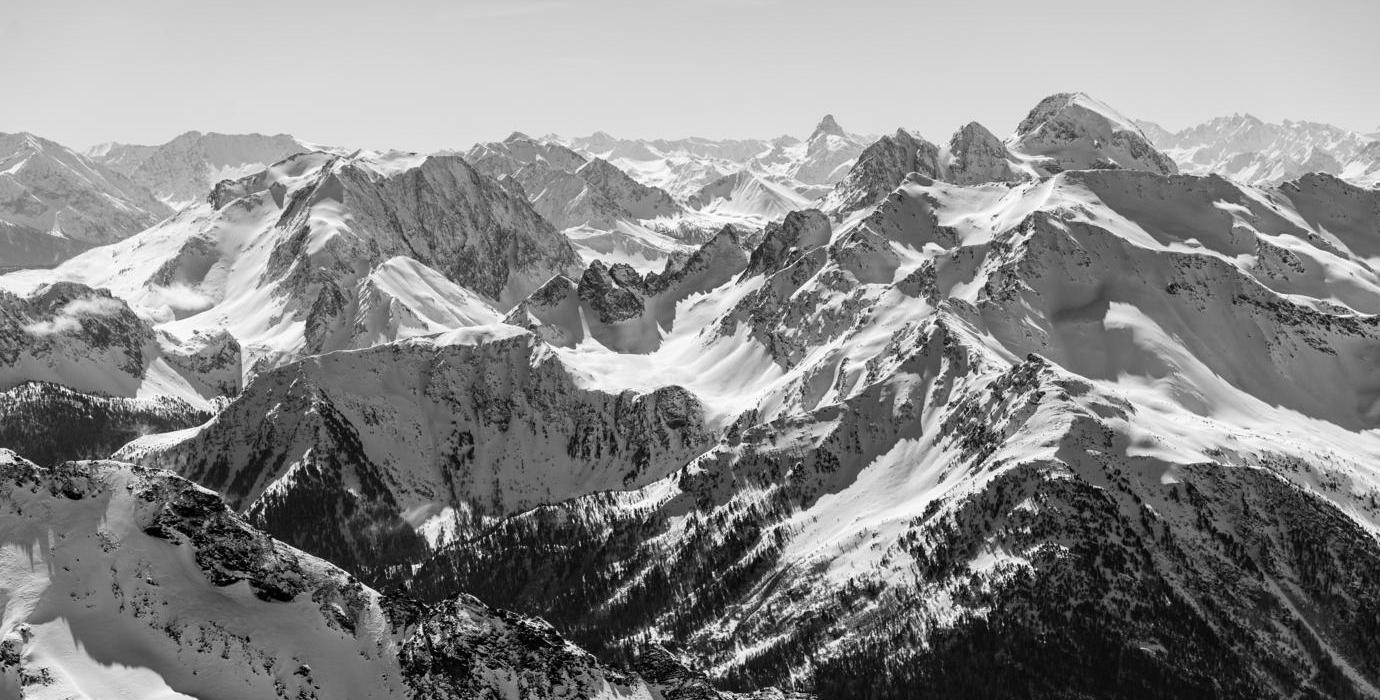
827 126
517 136
1063 102
25 139
1073 131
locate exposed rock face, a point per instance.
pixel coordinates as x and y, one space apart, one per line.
210 361
625 310
81 374
612 299
1071 131
55 203
72 334
879 170
465 649
670 675
713 264
828 126
185 169
445 215
782 243
637 200
607 214
977 156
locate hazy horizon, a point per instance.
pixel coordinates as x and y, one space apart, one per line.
429 75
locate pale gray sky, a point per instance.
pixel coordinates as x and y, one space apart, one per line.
428 74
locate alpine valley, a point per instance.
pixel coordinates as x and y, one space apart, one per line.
1090 410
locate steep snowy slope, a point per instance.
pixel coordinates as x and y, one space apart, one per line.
1061 435
1344 214
1247 149
119 581
184 170
55 203
321 252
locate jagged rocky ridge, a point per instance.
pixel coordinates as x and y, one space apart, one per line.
623 309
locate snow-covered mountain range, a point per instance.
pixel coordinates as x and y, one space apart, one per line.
783 171
184 169
606 213
1061 412
54 203
1245 148
323 252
